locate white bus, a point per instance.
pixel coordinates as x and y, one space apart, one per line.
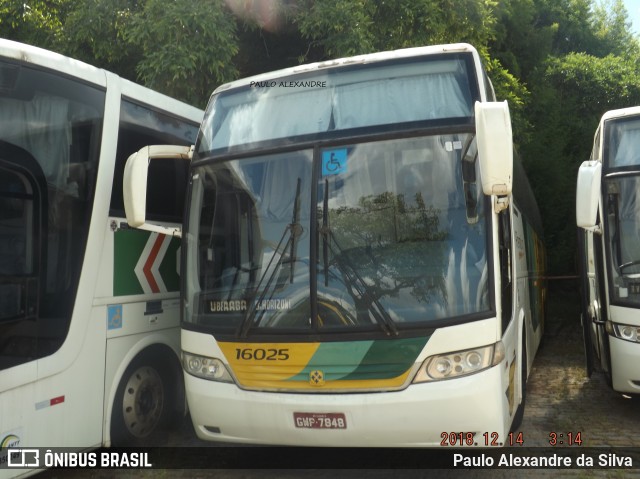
362 261
89 308
608 216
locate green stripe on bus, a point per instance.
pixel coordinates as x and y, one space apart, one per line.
336 360
388 359
363 360
128 246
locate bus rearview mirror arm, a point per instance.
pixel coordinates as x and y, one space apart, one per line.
134 189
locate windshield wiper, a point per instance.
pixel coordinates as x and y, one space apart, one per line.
380 314
628 264
294 230
616 237
324 231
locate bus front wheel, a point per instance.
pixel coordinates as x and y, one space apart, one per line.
142 404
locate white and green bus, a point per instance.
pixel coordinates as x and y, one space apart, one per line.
608 216
89 308
362 261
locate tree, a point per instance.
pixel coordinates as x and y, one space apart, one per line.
559 63
568 101
183 48
36 22
612 31
577 59
344 28
522 41
94 33
188 47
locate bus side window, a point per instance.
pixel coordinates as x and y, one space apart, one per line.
141 126
22 253
504 231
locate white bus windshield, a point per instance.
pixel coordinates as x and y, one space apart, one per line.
622 143
622 182
377 235
332 100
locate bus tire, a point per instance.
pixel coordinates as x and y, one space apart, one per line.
519 415
144 403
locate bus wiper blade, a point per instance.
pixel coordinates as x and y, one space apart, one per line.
325 232
294 230
381 315
627 265
614 208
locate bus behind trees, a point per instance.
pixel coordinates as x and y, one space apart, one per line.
608 217
362 258
89 308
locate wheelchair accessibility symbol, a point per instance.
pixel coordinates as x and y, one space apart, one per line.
334 162
114 316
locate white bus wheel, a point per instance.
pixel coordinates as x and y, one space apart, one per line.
142 404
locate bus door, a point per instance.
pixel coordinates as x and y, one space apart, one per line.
592 315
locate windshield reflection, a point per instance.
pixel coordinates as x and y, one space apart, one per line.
396 237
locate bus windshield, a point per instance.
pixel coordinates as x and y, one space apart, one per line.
378 235
323 102
622 181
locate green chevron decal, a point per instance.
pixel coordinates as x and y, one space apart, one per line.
145 263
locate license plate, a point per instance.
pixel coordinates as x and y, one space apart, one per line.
320 420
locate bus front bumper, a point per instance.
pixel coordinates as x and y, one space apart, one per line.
422 415
625 365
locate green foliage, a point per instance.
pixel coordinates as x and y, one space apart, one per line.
187 46
341 28
559 63
508 87
522 41
345 28
612 30
183 48
568 101
36 22
94 32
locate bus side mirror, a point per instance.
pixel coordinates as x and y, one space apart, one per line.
495 147
588 194
134 188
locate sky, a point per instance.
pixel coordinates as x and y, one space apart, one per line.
633 8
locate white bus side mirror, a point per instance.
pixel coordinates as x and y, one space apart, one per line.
495 147
588 194
134 188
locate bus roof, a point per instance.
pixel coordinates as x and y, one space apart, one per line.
622 112
55 61
355 60
75 68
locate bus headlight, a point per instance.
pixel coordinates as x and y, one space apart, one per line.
206 368
626 332
460 363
